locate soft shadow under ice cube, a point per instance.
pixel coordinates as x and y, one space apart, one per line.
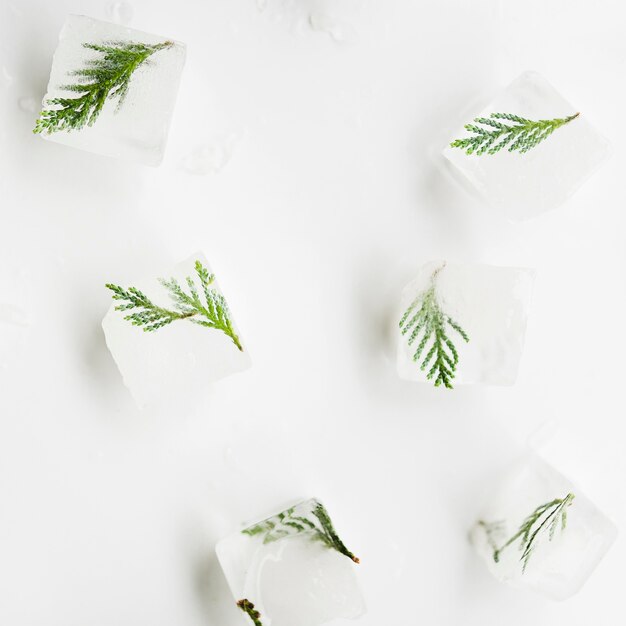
521 186
174 365
137 130
291 577
559 564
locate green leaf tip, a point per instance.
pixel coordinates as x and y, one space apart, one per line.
492 134
545 519
208 308
425 320
248 608
107 76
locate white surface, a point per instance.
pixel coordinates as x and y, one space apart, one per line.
522 186
171 369
327 207
138 129
557 567
491 304
293 579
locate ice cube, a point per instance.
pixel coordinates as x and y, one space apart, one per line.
292 568
483 309
568 534
132 124
523 185
189 345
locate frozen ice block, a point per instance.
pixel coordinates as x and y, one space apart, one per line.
171 337
292 569
122 90
463 324
539 531
524 184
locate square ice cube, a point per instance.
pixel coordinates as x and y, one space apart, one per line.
137 77
463 324
174 345
292 569
524 184
539 531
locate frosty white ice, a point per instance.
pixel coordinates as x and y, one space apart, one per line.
112 90
292 569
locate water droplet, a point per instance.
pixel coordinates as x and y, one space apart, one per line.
28 104
11 314
120 12
6 77
210 158
341 32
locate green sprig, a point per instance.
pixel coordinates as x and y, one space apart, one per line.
425 320
521 134
544 520
210 311
288 523
105 77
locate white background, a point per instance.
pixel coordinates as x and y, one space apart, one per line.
328 204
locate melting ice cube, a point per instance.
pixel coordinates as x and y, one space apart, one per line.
176 347
134 120
539 531
523 185
482 310
292 568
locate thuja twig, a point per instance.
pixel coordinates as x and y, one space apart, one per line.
212 312
288 523
425 318
520 134
105 77
544 519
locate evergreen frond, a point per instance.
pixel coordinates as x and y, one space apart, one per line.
286 524
105 77
519 134
424 322
248 608
327 533
213 312
544 520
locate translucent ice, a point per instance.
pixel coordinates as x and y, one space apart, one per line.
176 361
490 304
568 535
524 185
135 128
293 568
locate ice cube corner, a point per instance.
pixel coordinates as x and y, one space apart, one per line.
122 90
292 569
519 184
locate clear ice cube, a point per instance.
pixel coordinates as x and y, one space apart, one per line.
176 362
489 303
563 553
519 185
292 570
136 129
